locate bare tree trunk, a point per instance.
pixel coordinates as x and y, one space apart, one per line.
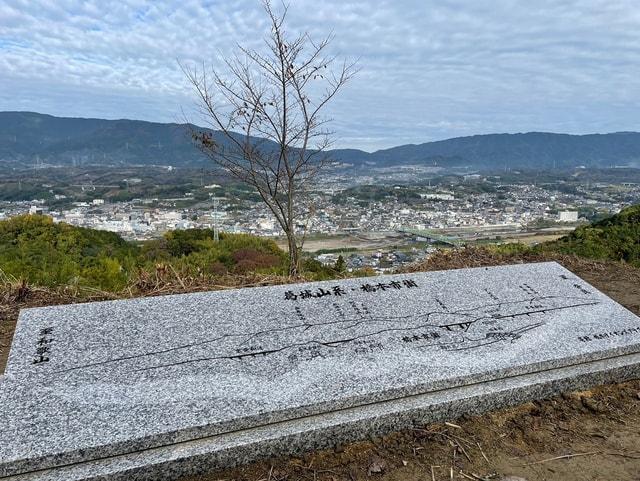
294 258
291 235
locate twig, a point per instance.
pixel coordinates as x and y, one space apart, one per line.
566 456
473 476
460 438
622 455
315 471
482 452
177 276
463 450
456 443
480 478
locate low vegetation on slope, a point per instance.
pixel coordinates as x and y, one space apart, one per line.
35 249
41 252
614 238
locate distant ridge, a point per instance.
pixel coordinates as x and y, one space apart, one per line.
29 137
528 150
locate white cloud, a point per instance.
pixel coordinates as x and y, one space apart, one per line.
430 69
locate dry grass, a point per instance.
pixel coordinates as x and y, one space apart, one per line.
482 257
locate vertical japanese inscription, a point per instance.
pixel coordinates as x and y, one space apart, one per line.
43 346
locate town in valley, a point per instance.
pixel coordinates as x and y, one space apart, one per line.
380 218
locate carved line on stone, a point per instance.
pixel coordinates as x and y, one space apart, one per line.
339 342
357 322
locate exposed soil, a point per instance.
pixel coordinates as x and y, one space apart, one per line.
591 435
596 430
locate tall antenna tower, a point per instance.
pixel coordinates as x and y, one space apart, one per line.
216 229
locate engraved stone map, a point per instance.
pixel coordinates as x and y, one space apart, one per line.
457 314
88 382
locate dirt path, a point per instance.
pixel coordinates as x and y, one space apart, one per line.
365 241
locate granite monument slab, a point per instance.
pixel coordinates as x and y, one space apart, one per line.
161 387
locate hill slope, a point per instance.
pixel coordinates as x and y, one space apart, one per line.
536 150
531 440
615 238
25 135
28 137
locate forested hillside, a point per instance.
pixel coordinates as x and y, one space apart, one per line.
41 252
28 138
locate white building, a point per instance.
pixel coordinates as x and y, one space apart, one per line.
568 216
439 196
34 209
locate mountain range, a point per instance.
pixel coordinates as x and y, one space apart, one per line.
28 138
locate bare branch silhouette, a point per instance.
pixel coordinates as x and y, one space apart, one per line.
268 107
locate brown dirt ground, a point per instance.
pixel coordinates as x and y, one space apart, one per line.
590 435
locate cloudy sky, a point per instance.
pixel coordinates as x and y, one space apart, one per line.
429 69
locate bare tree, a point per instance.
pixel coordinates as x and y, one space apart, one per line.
267 105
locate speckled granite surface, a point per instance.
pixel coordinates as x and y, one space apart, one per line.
184 383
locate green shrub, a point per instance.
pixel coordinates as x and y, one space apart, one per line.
615 238
42 252
36 249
